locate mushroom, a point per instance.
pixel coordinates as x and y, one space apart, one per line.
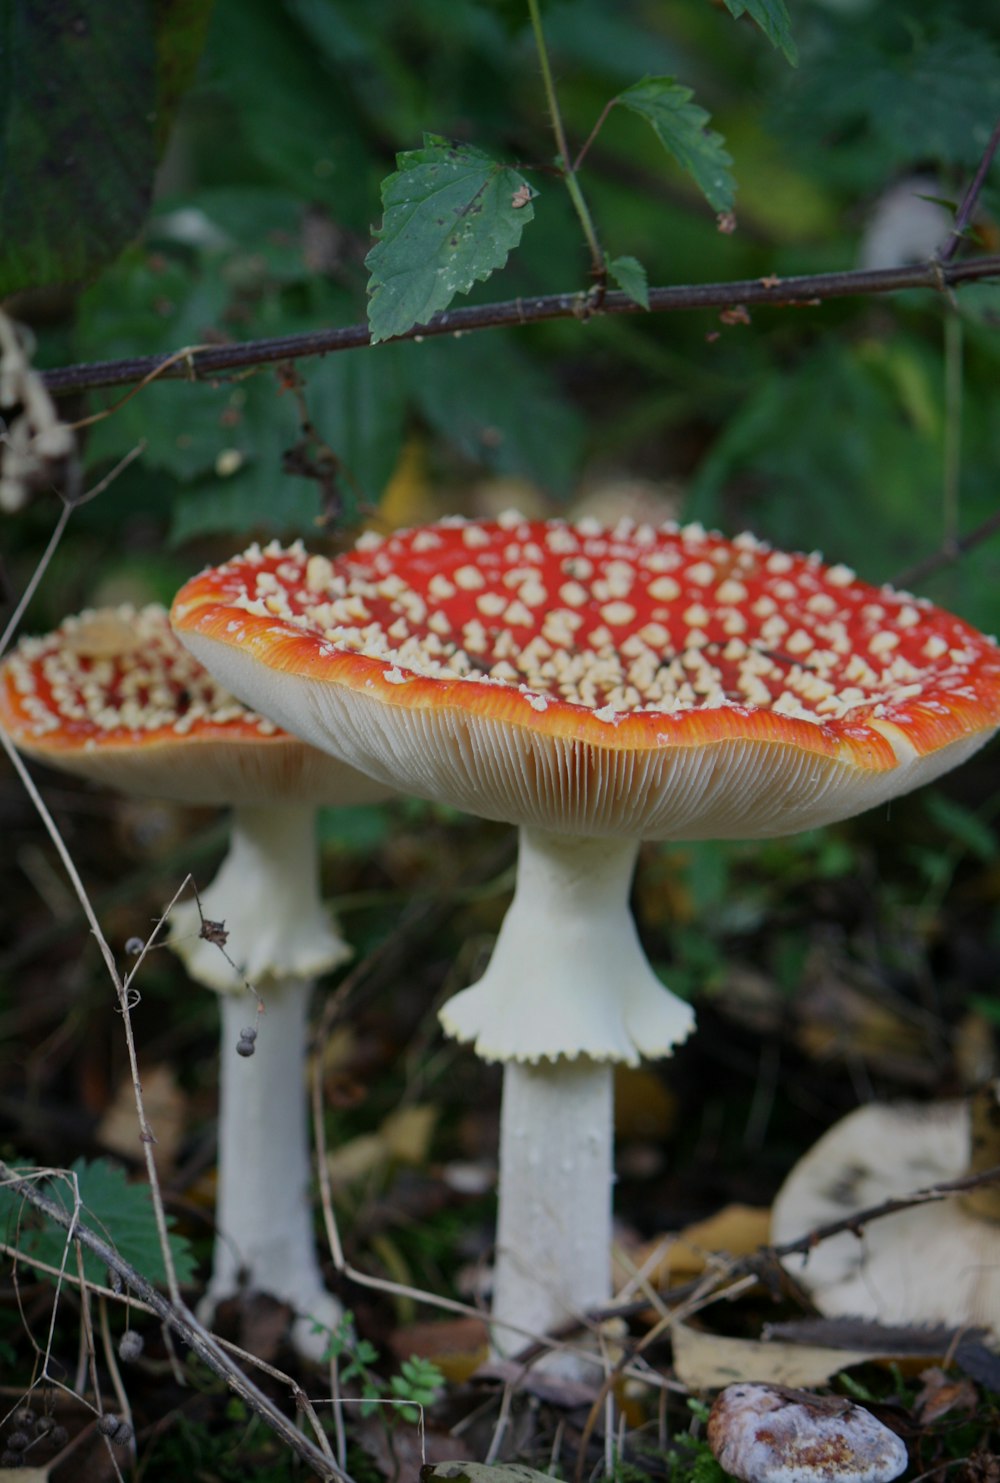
596 687
771 1434
931 1263
113 697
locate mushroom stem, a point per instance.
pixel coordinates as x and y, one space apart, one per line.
265 1241
569 976
554 1224
279 938
267 894
569 988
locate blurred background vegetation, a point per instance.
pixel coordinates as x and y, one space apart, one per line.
823 426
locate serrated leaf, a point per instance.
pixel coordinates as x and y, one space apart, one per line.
683 130
76 136
119 1212
773 19
451 216
631 278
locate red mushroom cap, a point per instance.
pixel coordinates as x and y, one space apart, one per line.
111 695
664 682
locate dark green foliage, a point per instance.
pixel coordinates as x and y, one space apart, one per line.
821 426
118 1212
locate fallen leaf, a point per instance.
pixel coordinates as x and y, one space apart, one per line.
736 1229
703 1361
166 1110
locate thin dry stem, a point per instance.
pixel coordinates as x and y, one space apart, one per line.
183 1323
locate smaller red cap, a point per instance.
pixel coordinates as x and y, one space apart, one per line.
111 695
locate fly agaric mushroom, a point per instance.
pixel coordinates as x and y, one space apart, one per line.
113 697
930 1263
596 687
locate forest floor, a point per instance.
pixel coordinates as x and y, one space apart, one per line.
842 967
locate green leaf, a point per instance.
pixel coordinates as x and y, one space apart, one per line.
77 85
773 19
683 130
451 216
118 1212
630 276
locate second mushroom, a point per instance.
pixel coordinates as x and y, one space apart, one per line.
595 686
113 697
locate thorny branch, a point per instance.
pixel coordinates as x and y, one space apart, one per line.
199 364
176 1317
965 211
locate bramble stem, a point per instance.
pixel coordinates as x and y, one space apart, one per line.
802 291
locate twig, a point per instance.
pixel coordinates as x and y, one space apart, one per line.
968 206
949 553
788 292
601 121
146 1136
181 1321
855 1222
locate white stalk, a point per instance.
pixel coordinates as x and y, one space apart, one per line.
569 989
265 1240
553 1257
279 939
267 893
568 976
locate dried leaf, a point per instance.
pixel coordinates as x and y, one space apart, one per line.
703 1360
118 1130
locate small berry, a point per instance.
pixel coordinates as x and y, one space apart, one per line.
108 1424
123 1437
58 1436
245 1047
130 1345
248 1034
17 1441
42 1425
25 1416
